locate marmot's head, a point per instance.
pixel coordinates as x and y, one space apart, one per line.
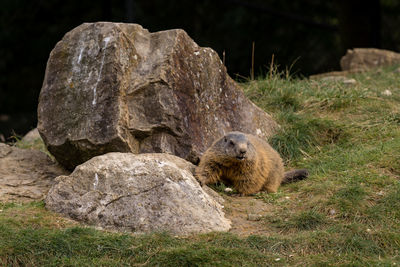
237 146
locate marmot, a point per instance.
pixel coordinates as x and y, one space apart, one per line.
247 162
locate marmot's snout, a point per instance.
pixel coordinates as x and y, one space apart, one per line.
241 151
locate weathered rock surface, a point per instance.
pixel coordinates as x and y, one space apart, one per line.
360 59
26 175
139 193
117 87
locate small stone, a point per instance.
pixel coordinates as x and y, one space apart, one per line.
332 212
368 230
277 259
387 93
380 193
254 217
228 190
287 197
349 82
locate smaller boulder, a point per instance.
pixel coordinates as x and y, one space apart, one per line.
361 59
138 193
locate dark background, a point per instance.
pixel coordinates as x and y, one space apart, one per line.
311 35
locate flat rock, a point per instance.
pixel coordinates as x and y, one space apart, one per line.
138 193
118 87
334 78
330 76
349 82
26 175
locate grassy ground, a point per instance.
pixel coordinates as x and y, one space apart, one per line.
347 213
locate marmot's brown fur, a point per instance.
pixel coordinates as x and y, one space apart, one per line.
247 162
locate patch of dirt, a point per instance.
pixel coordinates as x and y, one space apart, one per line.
246 215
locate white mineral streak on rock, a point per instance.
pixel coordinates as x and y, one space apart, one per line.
76 60
80 55
106 40
96 181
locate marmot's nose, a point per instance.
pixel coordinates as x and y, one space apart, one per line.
242 151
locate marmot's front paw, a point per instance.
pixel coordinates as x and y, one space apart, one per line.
200 180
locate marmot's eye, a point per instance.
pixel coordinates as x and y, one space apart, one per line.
231 143
225 140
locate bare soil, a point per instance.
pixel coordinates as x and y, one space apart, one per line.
246 215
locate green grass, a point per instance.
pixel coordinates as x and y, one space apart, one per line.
36 144
346 213
24 243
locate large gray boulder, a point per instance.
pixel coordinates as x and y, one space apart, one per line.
26 175
118 87
138 193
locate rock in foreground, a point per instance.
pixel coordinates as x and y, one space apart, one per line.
138 193
118 87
